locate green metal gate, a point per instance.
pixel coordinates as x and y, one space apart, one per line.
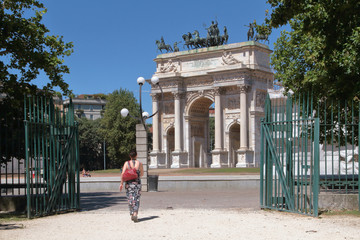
51 157
290 156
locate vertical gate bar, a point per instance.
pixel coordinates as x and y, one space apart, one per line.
268 162
298 148
359 155
332 145
289 127
339 140
261 164
43 153
306 149
273 135
325 141
312 135
47 153
28 203
77 166
352 146
19 136
12 159
38 160
284 153
30 150
6 154
316 166
34 185
346 153
303 156
1 136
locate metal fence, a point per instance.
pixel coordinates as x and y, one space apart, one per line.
12 153
40 156
307 148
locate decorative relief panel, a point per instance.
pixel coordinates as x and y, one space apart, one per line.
232 115
169 107
229 77
228 59
199 82
169 66
233 102
260 98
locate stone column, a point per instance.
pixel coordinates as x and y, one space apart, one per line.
155 125
243 118
218 155
177 155
218 122
243 153
177 123
157 157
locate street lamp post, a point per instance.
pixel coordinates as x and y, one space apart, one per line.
143 116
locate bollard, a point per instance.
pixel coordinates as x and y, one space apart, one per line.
153 183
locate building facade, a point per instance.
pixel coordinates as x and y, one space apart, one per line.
233 79
88 106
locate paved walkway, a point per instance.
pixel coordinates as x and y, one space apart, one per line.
115 201
197 215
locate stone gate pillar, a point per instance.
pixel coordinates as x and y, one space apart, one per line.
142 152
177 156
218 154
243 154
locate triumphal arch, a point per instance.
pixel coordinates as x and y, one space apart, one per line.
232 80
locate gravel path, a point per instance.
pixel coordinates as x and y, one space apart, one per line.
183 224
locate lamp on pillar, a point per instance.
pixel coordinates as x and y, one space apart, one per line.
141 129
142 115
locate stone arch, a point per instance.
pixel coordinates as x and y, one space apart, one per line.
195 97
170 143
234 142
199 135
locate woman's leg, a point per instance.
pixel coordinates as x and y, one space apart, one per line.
129 196
136 203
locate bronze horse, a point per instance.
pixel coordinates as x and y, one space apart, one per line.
189 41
163 46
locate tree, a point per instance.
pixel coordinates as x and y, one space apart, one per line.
321 53
90 144
119 132
26 49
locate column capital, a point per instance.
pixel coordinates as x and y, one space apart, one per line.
155 97
218 91
244 88
178 95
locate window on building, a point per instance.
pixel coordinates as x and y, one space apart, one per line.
91 117
86 107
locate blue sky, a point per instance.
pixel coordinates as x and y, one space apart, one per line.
114 41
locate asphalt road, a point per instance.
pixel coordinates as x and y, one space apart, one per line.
115 201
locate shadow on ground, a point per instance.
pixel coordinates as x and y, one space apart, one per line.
102 200
6 226
147 218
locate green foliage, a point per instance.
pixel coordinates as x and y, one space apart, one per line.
26 49
119 132
90 144
321 54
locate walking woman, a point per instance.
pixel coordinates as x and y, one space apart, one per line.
133 187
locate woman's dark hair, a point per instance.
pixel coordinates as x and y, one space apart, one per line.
133 153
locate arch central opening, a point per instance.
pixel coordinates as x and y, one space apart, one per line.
201 132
